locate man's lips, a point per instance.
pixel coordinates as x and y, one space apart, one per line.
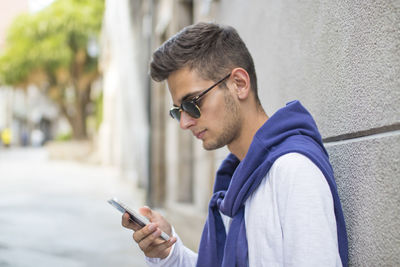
200 134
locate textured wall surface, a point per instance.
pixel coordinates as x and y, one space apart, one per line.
342 60
367 173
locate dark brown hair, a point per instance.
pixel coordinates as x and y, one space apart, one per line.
210 49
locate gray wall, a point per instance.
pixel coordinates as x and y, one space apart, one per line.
341 59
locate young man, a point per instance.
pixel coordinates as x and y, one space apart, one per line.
275 201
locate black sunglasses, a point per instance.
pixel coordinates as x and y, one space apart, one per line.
190 106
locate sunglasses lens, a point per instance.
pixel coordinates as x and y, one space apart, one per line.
191 109
175 113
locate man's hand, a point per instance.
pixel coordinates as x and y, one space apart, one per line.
148 237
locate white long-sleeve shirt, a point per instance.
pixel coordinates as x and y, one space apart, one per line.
289 219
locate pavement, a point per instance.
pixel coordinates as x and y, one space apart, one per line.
54 213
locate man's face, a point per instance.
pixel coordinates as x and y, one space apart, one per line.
220 120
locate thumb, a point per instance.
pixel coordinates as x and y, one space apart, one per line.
147 212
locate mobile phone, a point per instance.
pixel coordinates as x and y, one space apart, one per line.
134 216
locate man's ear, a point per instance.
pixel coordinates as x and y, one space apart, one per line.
241 82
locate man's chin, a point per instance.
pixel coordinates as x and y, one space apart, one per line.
210 146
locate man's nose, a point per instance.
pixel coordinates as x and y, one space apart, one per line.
186 121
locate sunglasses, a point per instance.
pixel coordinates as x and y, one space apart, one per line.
190 106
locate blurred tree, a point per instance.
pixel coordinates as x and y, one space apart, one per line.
56 49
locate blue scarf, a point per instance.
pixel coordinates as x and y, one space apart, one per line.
290 129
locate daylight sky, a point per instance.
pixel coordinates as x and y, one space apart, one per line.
36 5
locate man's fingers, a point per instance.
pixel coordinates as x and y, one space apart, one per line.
128 223
146 244
149 237
147 212
144 232
161 250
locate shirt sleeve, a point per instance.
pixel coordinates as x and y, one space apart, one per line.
306 213
180 256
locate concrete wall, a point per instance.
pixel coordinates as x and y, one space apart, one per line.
367 173
342 60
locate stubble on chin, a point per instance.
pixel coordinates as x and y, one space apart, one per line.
231 125
212 146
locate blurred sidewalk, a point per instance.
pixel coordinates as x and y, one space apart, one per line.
54 213
82 151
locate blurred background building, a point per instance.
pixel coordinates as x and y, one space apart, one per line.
340 59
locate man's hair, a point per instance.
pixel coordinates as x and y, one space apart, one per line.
210 49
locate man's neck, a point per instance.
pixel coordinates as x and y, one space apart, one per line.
240 146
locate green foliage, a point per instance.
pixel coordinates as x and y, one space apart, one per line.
49 40
64 137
